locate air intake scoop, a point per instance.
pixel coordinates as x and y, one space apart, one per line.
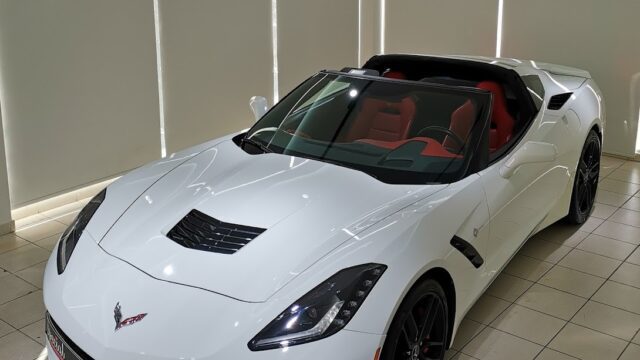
202 232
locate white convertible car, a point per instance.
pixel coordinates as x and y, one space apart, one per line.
359 218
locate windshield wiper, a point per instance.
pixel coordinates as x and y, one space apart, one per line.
257 144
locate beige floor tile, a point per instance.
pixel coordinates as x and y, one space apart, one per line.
38 232
486 309
30 220
573 281
611 198
627 217
587 344
551 301
631 353
634 258
492 344
567 235
460 356
548 354
508 287
544 250
23 311
612 162
628 274
591 224
17 346
528 324
590 263
636 340
527 267
23 257
33 274
35 331
468 330
11 242
620 187
5 328
632 204
620 296
604 172
12 287
49 242
67 219
628 175
605 246
602 211
609 320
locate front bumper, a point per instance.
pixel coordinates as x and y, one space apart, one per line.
181 322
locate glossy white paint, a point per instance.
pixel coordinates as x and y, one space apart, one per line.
320 219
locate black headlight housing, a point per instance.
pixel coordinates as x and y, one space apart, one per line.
71 235
323 311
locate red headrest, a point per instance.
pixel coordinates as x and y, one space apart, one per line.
500 117
395 75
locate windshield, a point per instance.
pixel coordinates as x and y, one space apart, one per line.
399 132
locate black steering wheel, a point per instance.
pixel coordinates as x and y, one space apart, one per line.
457 139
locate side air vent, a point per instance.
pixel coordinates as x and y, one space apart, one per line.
202 232
557 101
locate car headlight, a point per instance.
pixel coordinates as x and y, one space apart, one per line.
321 312
71 235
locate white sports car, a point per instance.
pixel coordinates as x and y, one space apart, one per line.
359 218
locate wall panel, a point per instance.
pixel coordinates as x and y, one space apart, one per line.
79 92
599 36
216 55
315 35
459 27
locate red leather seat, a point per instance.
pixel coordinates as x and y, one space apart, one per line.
382 120
392 74
461 123
501 121
432 148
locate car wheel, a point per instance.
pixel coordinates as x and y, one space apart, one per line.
420 328
586 180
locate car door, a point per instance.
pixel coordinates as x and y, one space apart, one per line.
520 202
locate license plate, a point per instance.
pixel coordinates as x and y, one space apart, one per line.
59 347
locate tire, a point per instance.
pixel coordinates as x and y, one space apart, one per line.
585 184
425 303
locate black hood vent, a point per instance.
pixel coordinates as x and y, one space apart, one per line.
557 101
202 232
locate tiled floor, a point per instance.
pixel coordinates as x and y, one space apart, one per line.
570 293
23 256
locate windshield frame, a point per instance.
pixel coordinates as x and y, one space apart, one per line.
476 161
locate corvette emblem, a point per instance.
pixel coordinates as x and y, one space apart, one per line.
117 316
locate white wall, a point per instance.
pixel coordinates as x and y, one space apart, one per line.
216 55
6 224
599 36
315 35
80 96
441 27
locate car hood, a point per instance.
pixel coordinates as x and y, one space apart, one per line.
307 207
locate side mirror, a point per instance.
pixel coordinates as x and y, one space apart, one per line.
531 152
259 106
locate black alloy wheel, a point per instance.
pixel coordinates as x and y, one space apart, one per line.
420 329
586 180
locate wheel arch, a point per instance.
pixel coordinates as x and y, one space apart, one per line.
445 280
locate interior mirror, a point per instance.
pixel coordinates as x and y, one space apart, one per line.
259 106
530 152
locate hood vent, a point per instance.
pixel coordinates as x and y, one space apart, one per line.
202 232
557 101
